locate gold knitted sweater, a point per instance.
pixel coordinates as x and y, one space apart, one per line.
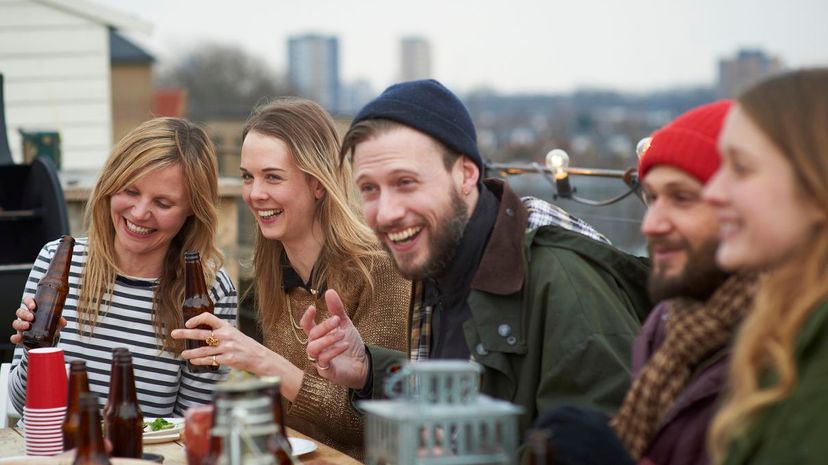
322 409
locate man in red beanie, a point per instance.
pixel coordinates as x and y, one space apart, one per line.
680 356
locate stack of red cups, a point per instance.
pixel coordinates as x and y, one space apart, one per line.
45 402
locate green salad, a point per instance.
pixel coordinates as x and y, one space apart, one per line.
158 424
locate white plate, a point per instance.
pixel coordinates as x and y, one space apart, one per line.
159 439
166 434
301 446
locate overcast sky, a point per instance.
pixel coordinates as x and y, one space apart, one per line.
510 46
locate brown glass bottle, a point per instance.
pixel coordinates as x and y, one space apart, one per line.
91 450
113 381
124 422
50 297
273 390
78 384
196 301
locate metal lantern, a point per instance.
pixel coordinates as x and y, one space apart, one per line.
244 422
436 416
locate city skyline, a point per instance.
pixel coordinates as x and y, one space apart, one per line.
525 46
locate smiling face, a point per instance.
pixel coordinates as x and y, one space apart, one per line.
765 219
147 214
280 195
417 207
682 235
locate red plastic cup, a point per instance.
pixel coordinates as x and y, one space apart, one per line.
197 423
46 384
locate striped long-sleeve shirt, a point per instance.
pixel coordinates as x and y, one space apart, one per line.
164 385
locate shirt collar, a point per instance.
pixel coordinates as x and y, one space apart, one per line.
291 279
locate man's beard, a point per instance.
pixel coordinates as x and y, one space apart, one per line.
442 247
698 280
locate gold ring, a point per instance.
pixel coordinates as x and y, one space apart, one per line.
312 360
211 340
215 362
322 368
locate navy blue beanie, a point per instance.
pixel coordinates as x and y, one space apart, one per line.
428 107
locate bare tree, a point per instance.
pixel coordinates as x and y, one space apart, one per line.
222 81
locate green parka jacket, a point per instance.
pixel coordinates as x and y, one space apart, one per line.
794 431
554 316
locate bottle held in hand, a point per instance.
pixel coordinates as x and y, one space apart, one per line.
196 301
50 297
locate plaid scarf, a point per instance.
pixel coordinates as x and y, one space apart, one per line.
694 330
419 347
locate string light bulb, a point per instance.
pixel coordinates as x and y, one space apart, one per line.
557 161
642 146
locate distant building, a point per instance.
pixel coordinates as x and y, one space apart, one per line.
746 68
170 102
132 88
313 69
415 59
60 76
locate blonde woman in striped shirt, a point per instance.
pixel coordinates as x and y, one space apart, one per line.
155 198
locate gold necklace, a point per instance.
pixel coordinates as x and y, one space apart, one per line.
294 326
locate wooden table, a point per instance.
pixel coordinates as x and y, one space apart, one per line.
12 444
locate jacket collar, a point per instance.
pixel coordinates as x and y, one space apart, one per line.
501 270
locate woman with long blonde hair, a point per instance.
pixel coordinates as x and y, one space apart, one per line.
155 198
772 199
310 238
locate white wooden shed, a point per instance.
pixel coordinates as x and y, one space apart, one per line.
55 57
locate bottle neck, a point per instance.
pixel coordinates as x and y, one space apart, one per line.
61 262
78 384
194 278
123 384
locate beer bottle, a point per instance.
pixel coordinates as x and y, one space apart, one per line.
196 301
273 390
114 380
124 422
78 384
91 450
50 297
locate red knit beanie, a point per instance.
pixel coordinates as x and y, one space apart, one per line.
688 142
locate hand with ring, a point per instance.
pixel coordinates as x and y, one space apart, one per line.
224 345
336 344
318 366
212 341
